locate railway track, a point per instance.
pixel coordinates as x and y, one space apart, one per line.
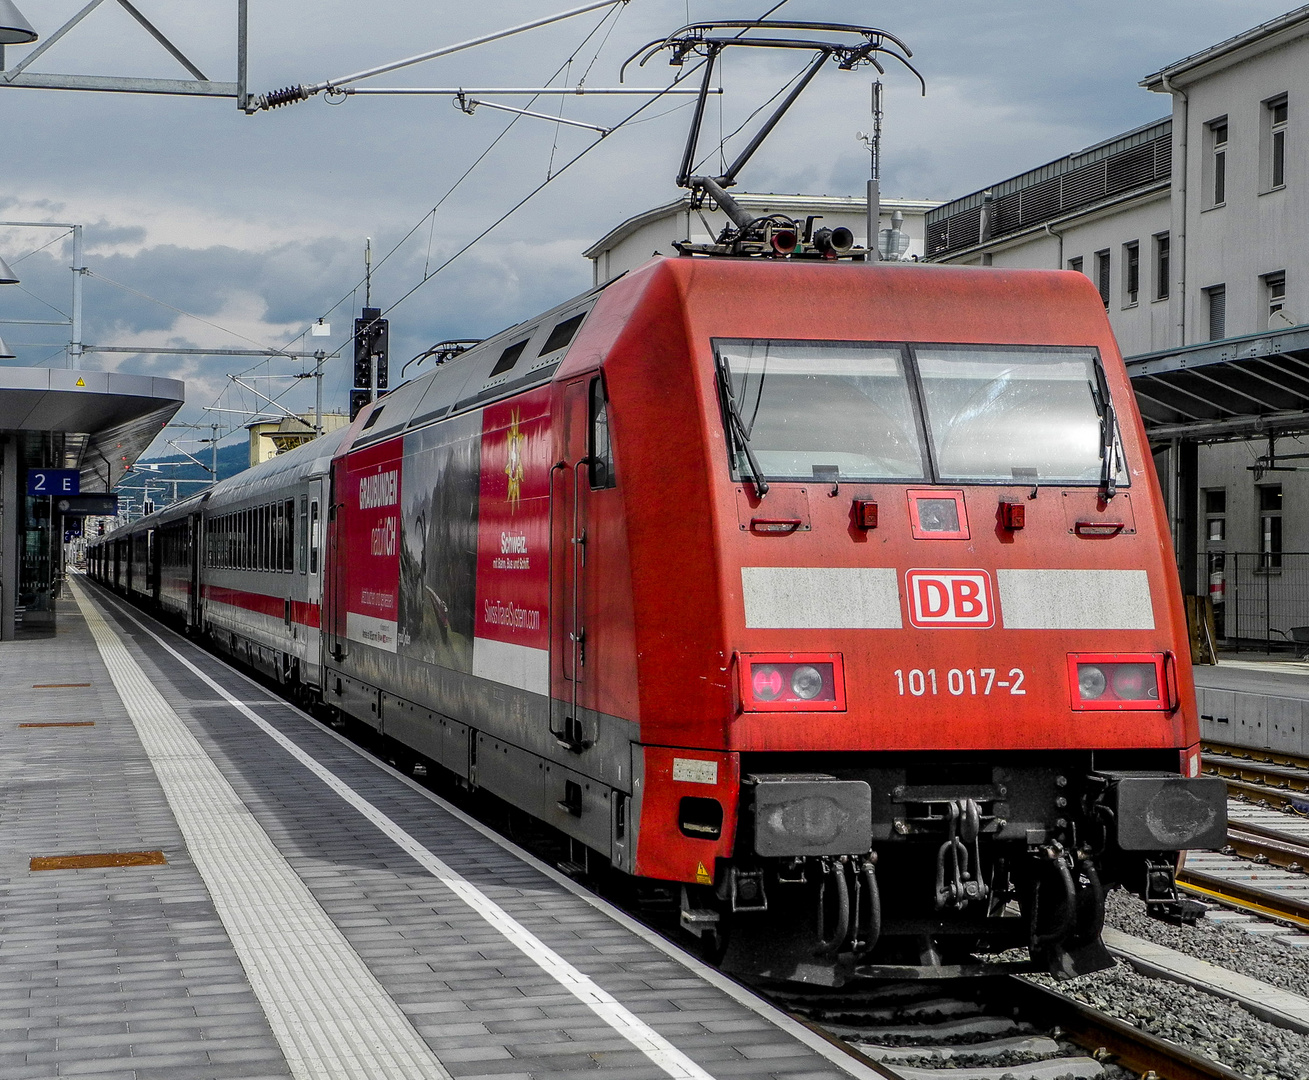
995 1027
1260 831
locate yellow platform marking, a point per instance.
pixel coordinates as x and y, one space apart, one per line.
99 862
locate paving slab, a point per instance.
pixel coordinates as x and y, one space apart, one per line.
495 964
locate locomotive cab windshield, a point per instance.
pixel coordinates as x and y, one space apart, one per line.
948 413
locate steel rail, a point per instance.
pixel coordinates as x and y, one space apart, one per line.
1268 775
1245 753
1247 897
1269 846
1278 798
1104 1035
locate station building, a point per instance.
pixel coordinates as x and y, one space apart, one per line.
1195 229
93 424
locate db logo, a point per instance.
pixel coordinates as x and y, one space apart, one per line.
950 598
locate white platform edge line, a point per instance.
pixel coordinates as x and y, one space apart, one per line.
742 995
655 1047
264 906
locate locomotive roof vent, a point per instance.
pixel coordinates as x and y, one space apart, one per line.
772 235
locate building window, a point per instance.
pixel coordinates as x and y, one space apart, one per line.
1075 264
1215 513
1162 266
1275 295
1102 275
1217 161
1217 298
1272 164
1131 273
1270 528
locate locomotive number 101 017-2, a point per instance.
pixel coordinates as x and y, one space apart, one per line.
980 682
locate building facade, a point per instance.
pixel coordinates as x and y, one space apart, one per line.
1195 229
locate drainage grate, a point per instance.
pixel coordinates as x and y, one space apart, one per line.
99 862
57 685
62 723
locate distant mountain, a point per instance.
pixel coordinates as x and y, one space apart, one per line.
231 460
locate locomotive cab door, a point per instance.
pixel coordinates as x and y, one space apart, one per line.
584 466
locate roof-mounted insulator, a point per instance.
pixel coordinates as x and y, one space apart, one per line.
277 98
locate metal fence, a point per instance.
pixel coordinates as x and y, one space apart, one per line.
1261 600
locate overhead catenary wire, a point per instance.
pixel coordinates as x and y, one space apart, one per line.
681 76
172 307
459 181
429 273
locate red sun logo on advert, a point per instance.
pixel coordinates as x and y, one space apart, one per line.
950 598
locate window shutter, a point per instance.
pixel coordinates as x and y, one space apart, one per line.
1217 313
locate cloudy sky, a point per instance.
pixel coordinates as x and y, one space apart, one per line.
205 227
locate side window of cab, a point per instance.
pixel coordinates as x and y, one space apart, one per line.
601 450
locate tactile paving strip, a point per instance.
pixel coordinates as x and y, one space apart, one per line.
327 1010
657 1049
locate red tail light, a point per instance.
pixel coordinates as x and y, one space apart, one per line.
792 682
1117 681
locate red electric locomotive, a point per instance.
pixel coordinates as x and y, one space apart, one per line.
837 596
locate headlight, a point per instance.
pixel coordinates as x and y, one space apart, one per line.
807 682
766 681
1091 682
1135 682
1117 681
777 682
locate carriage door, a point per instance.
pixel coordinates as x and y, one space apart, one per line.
332 564
572 650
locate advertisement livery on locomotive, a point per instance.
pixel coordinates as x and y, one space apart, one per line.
835 601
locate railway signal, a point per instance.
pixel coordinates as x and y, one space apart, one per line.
372 349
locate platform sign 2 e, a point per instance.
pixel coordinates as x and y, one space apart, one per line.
53 482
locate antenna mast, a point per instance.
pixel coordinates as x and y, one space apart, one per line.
875 179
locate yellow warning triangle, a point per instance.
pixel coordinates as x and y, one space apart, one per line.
702 875
80 381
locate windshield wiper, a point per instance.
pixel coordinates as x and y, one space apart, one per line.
1105 407
739 431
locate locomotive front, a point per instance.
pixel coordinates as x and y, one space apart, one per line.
953 643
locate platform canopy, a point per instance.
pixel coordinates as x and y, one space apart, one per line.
1236 388
107 418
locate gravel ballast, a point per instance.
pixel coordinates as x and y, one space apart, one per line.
1225 944
1206 1025
1203 1023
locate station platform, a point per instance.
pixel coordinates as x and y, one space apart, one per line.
1254 701
198 880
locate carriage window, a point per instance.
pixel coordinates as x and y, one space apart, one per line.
304 533
288 535
313 537
1006 414
601 451
835 410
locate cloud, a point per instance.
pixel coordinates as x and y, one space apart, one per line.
257 224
